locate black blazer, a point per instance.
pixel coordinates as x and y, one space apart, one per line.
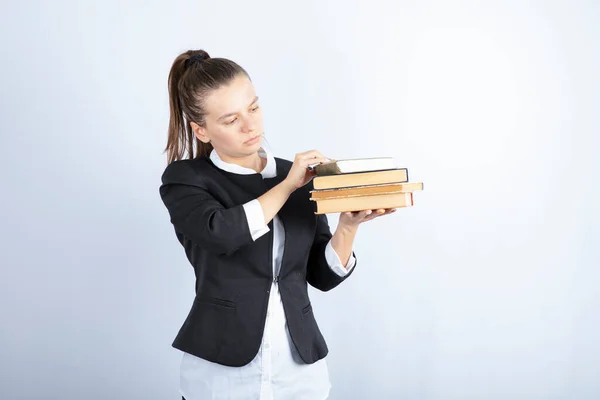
233 272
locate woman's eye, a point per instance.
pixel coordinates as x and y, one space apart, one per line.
231 122
254 109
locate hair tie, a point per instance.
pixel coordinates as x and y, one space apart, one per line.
194 59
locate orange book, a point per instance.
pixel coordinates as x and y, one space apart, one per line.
367 190
359 203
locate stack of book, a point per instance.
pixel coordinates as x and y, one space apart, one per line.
362 184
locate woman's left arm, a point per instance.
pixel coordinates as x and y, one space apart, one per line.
343 238
328 252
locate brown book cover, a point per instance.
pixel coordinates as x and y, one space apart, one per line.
399 175
359 203
366 190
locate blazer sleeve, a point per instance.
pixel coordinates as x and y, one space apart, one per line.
319 273
196 214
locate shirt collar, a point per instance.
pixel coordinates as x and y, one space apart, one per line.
269 171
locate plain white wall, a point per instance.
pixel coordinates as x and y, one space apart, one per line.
486 289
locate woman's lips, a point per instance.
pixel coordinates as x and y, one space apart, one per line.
253 140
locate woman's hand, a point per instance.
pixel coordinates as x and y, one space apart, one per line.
353 219
299 175
343 238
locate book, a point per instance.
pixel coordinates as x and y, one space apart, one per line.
398 175
366 190
359 203
351 166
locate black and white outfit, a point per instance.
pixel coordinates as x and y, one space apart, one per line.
251 332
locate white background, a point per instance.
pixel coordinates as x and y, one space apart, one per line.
486 289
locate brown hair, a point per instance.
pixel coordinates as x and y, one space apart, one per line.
194 74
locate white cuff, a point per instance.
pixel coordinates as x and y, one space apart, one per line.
256 219
335 263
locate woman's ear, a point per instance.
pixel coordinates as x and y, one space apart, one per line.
199 132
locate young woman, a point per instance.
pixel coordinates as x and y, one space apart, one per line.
250 232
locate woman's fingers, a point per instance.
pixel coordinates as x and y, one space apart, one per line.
311 153
312 157
378 213
371 215
362 215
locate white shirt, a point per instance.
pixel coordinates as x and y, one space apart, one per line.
277 371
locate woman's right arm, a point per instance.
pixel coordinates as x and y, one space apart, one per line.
196 214
298 176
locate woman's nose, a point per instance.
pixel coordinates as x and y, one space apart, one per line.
248 124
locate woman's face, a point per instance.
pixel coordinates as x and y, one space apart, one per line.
233 119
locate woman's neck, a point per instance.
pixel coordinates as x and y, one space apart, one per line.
254 161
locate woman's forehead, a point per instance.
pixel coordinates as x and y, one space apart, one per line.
235 96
